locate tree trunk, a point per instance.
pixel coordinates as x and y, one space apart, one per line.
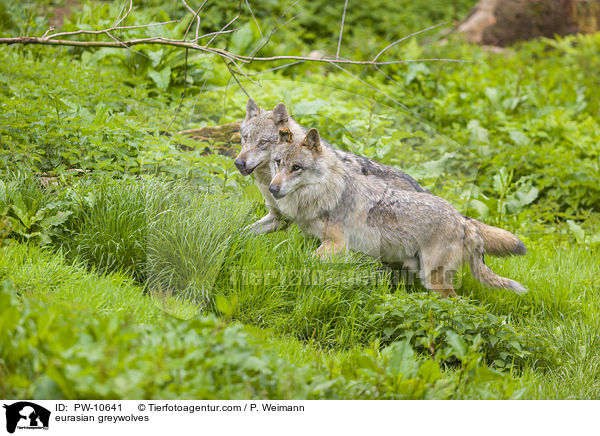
504 22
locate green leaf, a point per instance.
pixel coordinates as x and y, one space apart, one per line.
519 138
309 106
430 371
161 78
576 230
55 220
478 133
155 56
402 359
224 305
457 343
241 40
480 207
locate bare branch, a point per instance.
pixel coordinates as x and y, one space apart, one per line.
373 88
275 29
99 32
343 61
254 18
337 55
276 68
232 73
392 80
126 14
234 62
24 40
50 29
195 17
222 29
125 46
405 38
182 93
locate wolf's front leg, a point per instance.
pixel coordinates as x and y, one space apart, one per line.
328 249
333 243
267 224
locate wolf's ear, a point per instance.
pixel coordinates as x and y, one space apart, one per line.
280 113
252 109
285 135
312 141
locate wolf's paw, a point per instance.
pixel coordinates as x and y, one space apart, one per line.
327 250
254 228
446 293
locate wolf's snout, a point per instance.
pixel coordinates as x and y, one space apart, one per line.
274 189
240 164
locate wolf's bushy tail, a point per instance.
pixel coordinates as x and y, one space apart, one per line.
474 249
499 242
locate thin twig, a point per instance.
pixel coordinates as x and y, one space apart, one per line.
392 80
233 74
120 42
372 87
337 55
99 32
405 38
196 101
276 68
276 27
183 93
222 29
254 18
198 23
50 29
194 17
126 14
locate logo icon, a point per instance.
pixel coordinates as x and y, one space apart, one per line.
26 415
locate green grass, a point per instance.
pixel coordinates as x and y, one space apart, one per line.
109 340
194 258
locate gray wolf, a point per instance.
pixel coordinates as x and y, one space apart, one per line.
315 188
260 135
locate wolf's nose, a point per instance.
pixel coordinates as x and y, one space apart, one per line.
240 164
274 189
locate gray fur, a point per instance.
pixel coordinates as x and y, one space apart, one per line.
350 210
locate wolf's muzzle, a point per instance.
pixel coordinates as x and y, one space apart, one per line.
240 165
274 189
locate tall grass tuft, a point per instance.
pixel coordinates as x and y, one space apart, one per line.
109 227
188 246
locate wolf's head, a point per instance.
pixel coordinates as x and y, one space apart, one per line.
260 134
296 162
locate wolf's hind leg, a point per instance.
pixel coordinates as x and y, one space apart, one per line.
267 224
438 270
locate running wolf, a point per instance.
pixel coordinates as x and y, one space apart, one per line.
315 188
260 136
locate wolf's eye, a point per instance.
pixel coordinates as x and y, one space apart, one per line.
245 138
296 168
263 141
277 162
